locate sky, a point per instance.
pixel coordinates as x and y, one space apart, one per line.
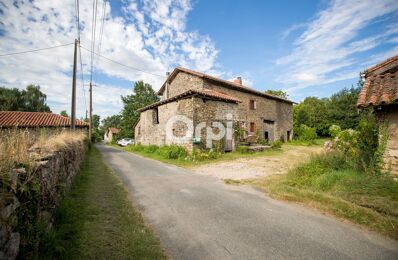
307 48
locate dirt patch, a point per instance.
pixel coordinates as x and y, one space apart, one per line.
246 168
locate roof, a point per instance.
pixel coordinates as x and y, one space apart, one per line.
36 119
380 88
206 93
382 64
225 83
113 130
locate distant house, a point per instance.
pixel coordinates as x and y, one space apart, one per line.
380 91
34 120
110 133
203 100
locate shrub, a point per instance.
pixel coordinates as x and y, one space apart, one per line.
151 148
242 149
276 145
173 152
306 133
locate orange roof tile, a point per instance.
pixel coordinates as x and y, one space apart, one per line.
35 119
195 92
226 83
113 130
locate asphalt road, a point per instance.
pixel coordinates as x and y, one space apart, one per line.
199 217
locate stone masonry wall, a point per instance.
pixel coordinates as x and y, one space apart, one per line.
209 111
54 173
281 113
148 131
390 116
181 83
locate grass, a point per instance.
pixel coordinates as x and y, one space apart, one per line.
318 141
330 184
187 161
96 220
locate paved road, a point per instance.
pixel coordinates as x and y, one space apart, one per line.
199 217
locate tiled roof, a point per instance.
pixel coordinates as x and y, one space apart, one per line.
208 93
113 130
381 84
379 90
382 64
225 83
35 119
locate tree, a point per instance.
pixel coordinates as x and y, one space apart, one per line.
64 113
143 95
31 99
278 93
112 121
96 121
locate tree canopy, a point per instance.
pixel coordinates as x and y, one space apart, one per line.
278 93
143 95
320 113
29 100
112 121
64 113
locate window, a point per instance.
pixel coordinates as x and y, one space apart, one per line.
252 127
252 104
155 115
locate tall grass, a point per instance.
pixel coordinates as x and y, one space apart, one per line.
333 184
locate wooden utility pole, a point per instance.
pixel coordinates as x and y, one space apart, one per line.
73 109
90 132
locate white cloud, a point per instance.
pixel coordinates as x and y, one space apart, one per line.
149 35
326 51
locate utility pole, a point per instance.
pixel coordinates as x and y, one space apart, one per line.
90 132
73 109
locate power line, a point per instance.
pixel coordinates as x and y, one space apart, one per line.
102 26
81 70
35 50
121 64
93 30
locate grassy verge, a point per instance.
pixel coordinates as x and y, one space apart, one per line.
330 185
97 221
187 161
318 142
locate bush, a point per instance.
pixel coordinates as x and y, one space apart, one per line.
276 145
242 149
306 133
175 152
151 148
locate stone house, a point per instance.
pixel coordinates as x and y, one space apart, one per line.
205 99
380 91
110 133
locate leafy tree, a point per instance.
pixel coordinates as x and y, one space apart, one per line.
143 96
31 99
112 121
64 113
96 121
278 93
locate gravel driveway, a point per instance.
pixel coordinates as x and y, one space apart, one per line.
247 168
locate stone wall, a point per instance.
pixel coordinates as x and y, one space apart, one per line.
270 110
181 83
54 173
148 131
389 115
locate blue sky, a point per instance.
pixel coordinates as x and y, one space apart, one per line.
307 48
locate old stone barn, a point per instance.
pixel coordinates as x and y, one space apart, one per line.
204 99
380 92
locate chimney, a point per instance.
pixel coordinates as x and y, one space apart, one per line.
167 74
238 80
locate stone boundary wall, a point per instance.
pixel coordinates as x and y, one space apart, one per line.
54 174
